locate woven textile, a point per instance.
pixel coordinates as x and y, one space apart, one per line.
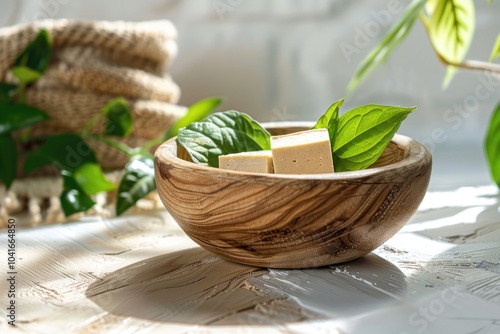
93 63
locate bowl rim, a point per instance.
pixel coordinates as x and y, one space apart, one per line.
417 153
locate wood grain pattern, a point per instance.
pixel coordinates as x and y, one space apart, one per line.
294 222
142 274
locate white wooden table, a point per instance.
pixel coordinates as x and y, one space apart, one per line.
142 274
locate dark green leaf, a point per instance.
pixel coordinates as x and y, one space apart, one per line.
330 120
91 179
451 28
138 181
19 115
195 113
67 151
25 74
36 55
382 51
73 198
6 93
492 145
364 133
8 160
223 133
118 118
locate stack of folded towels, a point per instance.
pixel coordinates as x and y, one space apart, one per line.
95 62
92 63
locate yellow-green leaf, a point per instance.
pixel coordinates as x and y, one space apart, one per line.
91 178
496 49
195 113
25 74
363 134
451 28
492 145
382 51
330 120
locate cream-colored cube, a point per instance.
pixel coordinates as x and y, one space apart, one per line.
305 152
254 162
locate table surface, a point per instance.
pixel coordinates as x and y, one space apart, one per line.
142 274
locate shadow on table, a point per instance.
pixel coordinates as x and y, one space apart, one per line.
194 286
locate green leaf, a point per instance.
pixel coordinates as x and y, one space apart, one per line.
492 145
73 198
67 151
7 91
450 73
364 133
382 51
138 181
495 53
195 113
36 56
451 28
223 133
26 75
118 118
19 115
330 120
91 179
8 160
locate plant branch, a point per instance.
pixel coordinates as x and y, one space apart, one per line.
472 64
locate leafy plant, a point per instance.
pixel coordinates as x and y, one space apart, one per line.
81 172
223 133
450 25
358 137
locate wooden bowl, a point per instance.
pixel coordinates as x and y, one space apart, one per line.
294 221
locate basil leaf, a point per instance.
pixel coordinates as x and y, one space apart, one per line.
223 133
492 145
364 133
451 28
118 118
495 53
382 51
6 93
25 74
36 56
138 181
19 115
91 179
195 113
8 160
73 198
330 120
67 151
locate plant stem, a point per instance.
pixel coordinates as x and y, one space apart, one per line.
90 124
472 65
129 151
151 143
